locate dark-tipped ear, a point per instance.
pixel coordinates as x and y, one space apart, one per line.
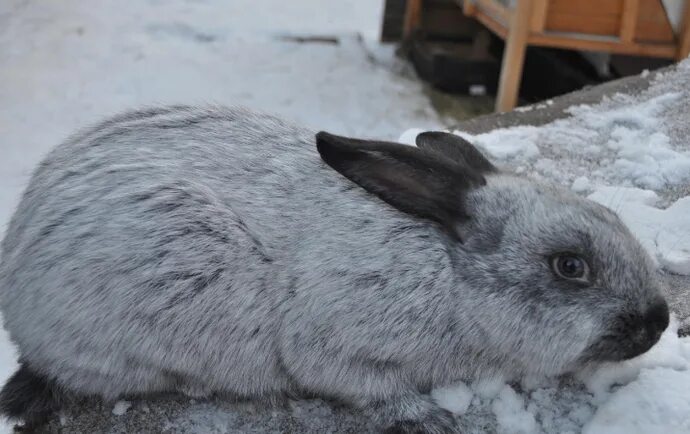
456 148
414 181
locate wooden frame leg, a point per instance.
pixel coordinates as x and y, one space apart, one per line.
413 11
514 56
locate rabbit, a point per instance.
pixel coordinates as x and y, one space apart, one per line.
212 250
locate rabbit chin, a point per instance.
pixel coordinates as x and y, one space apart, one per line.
627 336
612 349
618 347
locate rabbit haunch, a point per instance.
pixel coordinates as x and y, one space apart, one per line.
222 250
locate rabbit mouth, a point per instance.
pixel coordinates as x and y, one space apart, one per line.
635 347
613 348
631 336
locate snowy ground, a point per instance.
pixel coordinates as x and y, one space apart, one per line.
68 63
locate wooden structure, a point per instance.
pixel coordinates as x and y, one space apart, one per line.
633 27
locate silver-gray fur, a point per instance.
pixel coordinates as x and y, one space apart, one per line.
208 250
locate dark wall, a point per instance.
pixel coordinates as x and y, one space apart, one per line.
393 18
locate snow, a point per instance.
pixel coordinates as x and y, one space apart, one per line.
625 145
654 396
671 352
8 364
456 398
640 153
409 136
581 184
624 141
71 63
643 155
511 414
501 144
121 407
664 232
507 143
661 398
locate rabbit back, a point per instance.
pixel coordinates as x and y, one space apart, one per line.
146 249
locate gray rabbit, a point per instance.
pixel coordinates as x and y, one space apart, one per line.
218 250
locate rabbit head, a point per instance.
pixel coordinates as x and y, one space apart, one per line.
547 282
570 284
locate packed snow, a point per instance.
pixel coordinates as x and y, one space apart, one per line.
121 407
630 141
71 63
506 144
511 414
664 232
456 398
625 145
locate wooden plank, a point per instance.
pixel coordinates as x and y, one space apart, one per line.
413 13
499 29
495 9
684 36
446 21
629 20
612 44
468 7
652 31
594 25
514 57
587 7
539 13
653 24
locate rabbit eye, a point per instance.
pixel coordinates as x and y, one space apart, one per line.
570 266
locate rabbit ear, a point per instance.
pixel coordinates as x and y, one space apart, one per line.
456 148
417 182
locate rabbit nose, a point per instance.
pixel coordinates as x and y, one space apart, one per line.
656 320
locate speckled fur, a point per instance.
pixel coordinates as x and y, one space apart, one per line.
211 250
